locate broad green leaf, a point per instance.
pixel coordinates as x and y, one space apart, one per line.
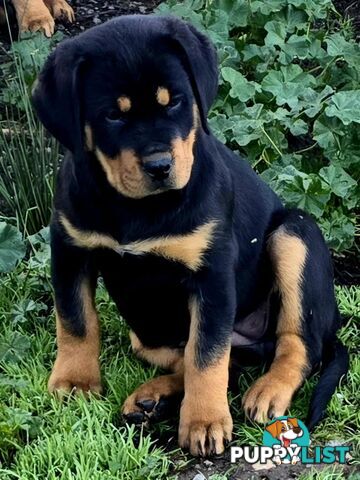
338 180
338 229
276 34
345 106
241 88
326 131
264 52
314 8
15 348
287 84
292 18
220 124
338 46
298 127
296 47
314 101
267 6
307 192
12 247
237 11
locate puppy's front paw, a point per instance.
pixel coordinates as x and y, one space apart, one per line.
61 9
76 374
155 400
44 23
267 398
36 17
204 431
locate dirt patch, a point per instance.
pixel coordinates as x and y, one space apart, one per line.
204 469
347 267
350 10
93 12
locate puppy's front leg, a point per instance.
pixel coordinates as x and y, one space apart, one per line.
77 327
205 420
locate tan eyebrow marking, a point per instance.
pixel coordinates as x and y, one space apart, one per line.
124 103
163 96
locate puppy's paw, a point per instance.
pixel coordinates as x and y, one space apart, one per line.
75 376
37 20
152 401
267 398
61 9
204 432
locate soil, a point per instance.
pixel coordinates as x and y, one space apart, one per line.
347 267
203 469
350 10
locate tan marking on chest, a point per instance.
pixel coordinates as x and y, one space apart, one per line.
188 249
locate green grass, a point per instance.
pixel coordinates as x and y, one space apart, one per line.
29 157
43 438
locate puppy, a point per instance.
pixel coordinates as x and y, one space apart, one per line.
195 249
34 15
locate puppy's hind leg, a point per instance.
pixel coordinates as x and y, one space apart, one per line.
308 317
272 393
307 322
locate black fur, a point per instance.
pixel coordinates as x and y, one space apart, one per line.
79 84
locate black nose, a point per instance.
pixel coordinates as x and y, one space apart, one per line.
158 165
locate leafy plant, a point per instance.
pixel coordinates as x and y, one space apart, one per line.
12 247
28 156
289 99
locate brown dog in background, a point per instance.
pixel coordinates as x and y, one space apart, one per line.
40 15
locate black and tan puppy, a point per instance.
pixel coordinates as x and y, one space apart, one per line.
197 252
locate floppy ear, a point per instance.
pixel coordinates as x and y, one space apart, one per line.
201 65
293 421
274 428
56 97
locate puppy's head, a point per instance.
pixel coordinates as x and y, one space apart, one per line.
134 92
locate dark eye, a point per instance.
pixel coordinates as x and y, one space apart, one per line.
175 102
114 115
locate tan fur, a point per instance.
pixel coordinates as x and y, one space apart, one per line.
89 140
168 358
124 103
163 386
60 8
275 389
124 173
77 363
188 249
288 254
33 15
182 151
163 96
205 420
